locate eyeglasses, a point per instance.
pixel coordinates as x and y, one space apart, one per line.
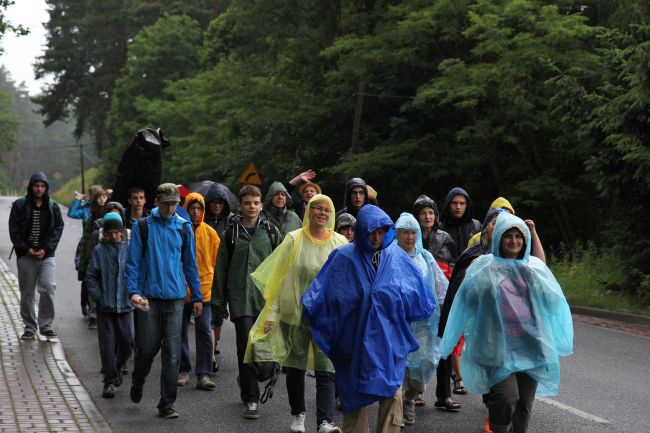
359 192
320 209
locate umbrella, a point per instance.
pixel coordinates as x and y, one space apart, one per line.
219 188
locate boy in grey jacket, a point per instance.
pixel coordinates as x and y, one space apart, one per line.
107 286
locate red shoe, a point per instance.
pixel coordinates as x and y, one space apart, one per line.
486 425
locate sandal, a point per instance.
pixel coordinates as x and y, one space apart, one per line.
419 402
459 386
448 404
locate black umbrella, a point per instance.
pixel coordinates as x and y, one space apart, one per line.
210 188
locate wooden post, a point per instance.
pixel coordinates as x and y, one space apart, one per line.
354 146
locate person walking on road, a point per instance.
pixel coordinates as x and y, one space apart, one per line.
359 308
282 278
517 323
356 196
207 245
160 266
421 365
249 239
436 241
35 228
277 208
456 219
107 286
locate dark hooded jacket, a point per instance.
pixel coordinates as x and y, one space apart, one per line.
20 221
438 242
220 223
285 219
353 183
460 229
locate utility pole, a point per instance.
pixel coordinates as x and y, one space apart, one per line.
81 163
358 109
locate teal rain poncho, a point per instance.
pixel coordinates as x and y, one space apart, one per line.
514 317
360 316
422 364
282 279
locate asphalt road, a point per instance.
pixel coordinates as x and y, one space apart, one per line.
605 384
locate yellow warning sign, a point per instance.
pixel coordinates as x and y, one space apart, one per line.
251 176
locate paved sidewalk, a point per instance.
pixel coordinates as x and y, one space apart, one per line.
39 392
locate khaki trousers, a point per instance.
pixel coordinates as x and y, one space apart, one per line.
389 417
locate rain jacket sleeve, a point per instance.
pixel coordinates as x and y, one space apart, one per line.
79 209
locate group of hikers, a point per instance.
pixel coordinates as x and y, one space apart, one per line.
374 308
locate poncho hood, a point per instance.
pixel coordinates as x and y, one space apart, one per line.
353 183
195 197
408 221
505 222
446 215
502 203
369 219
275 188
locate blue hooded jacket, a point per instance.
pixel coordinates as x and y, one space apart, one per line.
160 270
514 317
105 277
360 317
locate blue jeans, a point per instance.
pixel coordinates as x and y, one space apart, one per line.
203 338
159 329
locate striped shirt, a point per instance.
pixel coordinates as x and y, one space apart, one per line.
35 232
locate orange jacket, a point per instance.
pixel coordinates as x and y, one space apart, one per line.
207 244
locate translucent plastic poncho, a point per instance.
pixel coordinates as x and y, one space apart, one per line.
282 279
514 317
422 364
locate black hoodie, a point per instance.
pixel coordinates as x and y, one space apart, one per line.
353 183
460 229
20 221
217 191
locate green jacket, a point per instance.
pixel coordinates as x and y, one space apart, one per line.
284 219
239 255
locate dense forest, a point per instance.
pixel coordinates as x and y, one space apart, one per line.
544 102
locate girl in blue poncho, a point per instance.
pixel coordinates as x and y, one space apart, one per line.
420 365
516 323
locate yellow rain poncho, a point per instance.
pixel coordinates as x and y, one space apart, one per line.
282 279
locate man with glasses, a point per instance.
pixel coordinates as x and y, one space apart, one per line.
356 196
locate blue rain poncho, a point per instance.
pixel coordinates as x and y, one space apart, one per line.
514 317
422 364
282 278
360 317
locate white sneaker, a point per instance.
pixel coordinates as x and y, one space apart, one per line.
298 423
326 427
183 378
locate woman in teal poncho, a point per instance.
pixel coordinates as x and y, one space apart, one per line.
517 324
280 334
421 365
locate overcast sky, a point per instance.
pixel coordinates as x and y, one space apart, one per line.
21 52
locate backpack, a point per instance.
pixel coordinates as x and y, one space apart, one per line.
143 225
265 371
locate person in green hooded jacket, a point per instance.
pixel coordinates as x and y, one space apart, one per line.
247 241
277 208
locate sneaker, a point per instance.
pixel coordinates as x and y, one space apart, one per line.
136 394
92 323
251 411
326 427
49 333
409 412
215 364
298 423
204 382
84 310
118 380
168 413
28 335
183 378
109 391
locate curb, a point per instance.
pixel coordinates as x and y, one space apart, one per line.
611 315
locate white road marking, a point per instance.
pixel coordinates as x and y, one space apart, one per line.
573 410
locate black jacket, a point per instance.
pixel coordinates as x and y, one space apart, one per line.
217 192
352 183
461 229
437 242
20 220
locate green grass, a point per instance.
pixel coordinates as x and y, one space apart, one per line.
65 194
592 278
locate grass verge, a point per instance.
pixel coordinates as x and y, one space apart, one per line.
65 194
593 278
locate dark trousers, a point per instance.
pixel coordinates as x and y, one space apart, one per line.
114 333
510 403
325 389
159 329
248 386
202 337
443 377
